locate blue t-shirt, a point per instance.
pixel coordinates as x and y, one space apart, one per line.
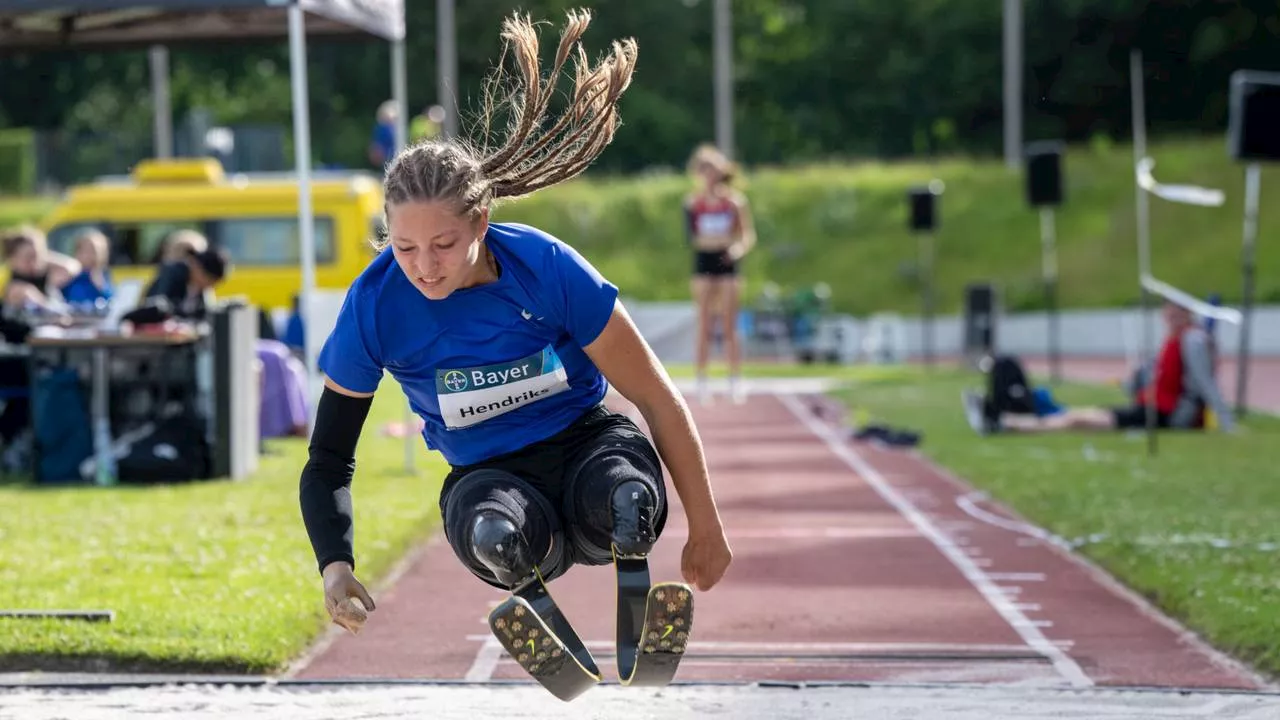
82 290
492 368
384 137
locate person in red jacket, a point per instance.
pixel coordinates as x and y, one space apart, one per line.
1182 389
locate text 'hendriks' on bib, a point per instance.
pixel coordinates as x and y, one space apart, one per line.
472 395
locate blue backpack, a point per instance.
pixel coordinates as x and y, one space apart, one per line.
62 429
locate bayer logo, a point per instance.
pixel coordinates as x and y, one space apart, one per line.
455 381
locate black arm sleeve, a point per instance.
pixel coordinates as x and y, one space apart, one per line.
325 490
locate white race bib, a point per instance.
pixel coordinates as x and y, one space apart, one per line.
472 395
713 224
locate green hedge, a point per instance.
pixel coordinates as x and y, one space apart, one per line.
17 162
847 226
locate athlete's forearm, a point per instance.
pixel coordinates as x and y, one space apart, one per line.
324 492
676 439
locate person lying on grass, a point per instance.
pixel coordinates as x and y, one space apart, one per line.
1181 391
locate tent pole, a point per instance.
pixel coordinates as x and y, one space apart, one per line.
1139 113
306 217
447 61
162 106
400 93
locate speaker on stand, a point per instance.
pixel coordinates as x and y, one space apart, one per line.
1253 137
923 206
1044 191
981 309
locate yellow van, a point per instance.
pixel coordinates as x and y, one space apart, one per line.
254 217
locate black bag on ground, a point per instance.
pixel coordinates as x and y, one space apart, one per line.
176 451
1007 388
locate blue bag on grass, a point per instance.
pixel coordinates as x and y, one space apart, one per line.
62 428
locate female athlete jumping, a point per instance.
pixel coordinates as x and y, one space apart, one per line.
721 232
505 341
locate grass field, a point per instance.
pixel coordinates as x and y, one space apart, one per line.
847 225
211 576
1196 529
219 577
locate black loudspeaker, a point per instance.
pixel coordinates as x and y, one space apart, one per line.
1044 173
980 313
923 209
1254 132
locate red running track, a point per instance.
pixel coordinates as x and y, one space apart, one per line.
852 563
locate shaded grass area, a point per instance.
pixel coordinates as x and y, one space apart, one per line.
212 576
1195 529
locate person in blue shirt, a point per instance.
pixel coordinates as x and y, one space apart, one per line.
94 281
505 340
382 145
294 331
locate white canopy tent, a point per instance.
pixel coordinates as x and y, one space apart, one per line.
34 25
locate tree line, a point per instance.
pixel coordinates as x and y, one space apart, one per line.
814 79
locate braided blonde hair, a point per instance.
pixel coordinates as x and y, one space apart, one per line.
527 158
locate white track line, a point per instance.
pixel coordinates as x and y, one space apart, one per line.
1017 577
1028 631
486 661
969 504
487 655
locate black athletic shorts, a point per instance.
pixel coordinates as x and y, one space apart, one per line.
715 263
558 490
1135 416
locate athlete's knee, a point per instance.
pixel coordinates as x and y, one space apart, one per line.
498 543
500 527
634 509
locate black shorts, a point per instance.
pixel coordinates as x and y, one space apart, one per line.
1135 416
558 490
715 263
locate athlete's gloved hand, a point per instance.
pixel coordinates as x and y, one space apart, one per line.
348 603
706 557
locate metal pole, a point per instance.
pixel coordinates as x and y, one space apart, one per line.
447 61
1252 191
1012 83
926 294
723 42
1049 267
302 163
1144 241
400 94
161 103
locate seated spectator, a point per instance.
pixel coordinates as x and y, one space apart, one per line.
294 332
94 281
36 273
178 244
1183 389
182 287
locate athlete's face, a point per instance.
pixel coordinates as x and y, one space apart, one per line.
439 250
710 174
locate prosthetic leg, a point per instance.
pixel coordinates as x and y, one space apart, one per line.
529 625
653 622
